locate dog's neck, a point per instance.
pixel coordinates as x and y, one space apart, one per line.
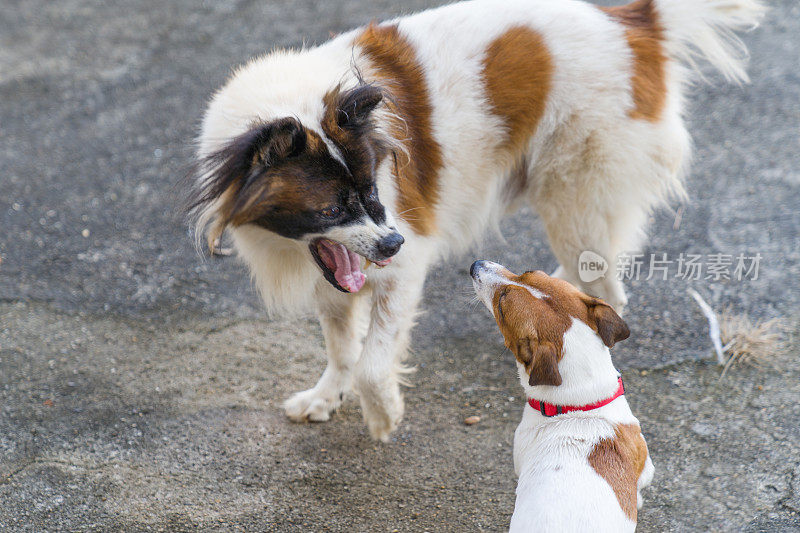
588 376
587 373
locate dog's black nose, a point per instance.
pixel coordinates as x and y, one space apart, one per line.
475 267
390 245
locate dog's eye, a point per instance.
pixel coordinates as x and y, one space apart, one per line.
373 192
500 307
331 212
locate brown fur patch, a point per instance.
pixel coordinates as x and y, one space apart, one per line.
287 188
393 61
620 462
533 328
518 73
644 34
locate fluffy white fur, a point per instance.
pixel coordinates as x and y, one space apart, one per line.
595 173
550 453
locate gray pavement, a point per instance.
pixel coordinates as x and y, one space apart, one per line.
140 383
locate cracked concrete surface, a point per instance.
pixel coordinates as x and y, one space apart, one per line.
140 385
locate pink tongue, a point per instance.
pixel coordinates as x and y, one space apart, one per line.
346 265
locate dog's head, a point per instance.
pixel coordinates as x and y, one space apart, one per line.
314 183
534 312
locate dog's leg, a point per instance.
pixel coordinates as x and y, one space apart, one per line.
645 477
607 230
584 213
561 273
570 234
343 318
644 480
394 303
594 197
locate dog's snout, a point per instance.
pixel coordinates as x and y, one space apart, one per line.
476 266
390 245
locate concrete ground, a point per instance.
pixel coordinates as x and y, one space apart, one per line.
140 384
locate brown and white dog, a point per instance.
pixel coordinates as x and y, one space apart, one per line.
579 453
406 141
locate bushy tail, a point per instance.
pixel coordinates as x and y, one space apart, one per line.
706 28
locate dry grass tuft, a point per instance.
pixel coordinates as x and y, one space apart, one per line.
752 343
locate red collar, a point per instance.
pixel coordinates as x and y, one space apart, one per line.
549 409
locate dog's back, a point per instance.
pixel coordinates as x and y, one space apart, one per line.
579 474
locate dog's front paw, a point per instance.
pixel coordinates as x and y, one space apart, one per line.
613 292
382 408
382 423
311 405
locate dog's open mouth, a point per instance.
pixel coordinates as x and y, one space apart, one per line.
340 266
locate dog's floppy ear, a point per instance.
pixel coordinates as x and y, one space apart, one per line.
277 140
540 360
227 176
268 144
236 165
355 105
607 322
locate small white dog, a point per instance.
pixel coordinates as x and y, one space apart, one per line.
579 453
406 141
